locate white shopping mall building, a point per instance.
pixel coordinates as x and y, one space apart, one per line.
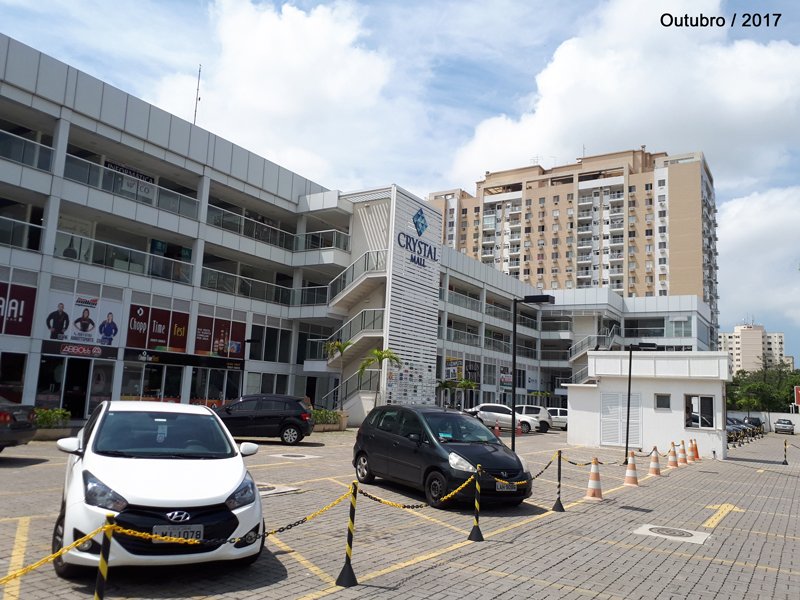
142 257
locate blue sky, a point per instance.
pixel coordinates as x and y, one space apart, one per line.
431 94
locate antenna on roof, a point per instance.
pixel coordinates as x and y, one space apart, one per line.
197 94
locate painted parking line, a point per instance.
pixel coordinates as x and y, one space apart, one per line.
17 561
302 560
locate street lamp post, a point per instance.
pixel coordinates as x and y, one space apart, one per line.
631 348
537 299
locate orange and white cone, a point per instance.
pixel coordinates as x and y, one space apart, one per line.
519 427
682 455
690 453
594 492
630 473
695 451
672 459
655 468
496 428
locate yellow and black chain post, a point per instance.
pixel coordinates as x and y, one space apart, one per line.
475 535
102 567
785 462
347 578
558 507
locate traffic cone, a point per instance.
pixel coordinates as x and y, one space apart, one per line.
655 469
696 452
690 453
497 429
630 473
672 459
594 492
519 427
682 455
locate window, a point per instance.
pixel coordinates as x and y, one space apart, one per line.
631 189
541 201
662 229
648 233
555 213
570 196
555 200
648 186
662 402
463 211
662 182
700 411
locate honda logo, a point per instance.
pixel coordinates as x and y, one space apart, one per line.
179 516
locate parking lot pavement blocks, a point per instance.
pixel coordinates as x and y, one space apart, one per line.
594 492
631 479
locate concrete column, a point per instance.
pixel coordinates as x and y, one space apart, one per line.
30 381
52 206
186 384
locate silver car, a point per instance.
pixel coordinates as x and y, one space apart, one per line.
559 416
783 426
499 414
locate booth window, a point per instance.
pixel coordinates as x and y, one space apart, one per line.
663 402
700 411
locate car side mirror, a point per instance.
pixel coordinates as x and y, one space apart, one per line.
228 409
248 448
415 437
70 445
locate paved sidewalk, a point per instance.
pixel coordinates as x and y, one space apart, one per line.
744 507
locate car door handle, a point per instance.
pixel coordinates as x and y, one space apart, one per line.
396 444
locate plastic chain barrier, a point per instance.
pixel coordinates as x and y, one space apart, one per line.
416 506
646 454
518 483
588 464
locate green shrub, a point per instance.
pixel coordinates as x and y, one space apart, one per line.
51 418
326 417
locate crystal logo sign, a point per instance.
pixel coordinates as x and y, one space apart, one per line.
420 250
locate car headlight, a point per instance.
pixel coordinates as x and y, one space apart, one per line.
97 493
524 464
244 494
459 463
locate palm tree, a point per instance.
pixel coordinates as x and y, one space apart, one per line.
464 385
377 356
332 348
443 385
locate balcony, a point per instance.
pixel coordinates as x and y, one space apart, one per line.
617 240
616 224
583 273
19 234
126 186
585 200
616 256
488 240
25 152
585 230
256 289
120 258
583 258
584 214
464 301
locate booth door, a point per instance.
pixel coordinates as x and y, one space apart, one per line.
613 420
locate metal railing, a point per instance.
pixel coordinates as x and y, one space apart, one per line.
25 152
319 240
462 337
127 186
244 226
556 325
555 355
237 285
120 258
372 261
369 318
580 375
19 234
368 381
464 301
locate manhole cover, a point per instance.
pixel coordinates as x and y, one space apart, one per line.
267 489
294 456
636 508
670 532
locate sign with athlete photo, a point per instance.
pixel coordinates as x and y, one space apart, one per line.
81 318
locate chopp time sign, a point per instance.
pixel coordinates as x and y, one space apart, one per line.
420 250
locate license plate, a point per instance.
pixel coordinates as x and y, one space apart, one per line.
505 487
186 532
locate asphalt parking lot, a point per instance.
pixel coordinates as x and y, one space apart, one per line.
715 529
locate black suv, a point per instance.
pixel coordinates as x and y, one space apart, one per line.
268 415
754 421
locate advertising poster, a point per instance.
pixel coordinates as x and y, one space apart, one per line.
202 336
109 315
454 369
58 322
236 344
221 339
178 331
16 309
158 330
84 319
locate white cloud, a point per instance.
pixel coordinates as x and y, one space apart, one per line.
625 80
759 260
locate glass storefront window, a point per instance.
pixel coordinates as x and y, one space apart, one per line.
132 381
102 382
172 384
12 373
51 381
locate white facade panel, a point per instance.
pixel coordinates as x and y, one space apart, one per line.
52 79
22 66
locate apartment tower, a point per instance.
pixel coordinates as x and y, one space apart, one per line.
750 347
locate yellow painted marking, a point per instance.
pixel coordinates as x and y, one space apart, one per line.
722 511
322 575
44 516
421 515
563 485
29 490
759 470
11 589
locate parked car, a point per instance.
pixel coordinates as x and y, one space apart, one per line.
436 450
268 415
158 468
783 426
540 413
17 423
500 415
559 416
754 421
745 426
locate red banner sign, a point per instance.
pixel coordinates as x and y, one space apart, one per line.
16 309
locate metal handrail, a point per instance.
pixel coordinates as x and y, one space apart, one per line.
370 262
366 381
127 186
20 234
369 318
464 301
237 285
25 152
319 240
120 258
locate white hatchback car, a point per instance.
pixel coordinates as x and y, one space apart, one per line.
158 468
500 414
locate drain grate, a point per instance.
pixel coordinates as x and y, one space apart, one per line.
637 509
295 456
673 533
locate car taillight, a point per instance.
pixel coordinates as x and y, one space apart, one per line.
32 417
6 417
305 416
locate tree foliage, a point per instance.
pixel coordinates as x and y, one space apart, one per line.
770 388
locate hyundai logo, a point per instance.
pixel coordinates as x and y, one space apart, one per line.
179 516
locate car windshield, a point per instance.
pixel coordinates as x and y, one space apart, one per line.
455 427
152 434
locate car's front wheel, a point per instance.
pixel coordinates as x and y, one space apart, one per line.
363 472
63 569
435 489
525 427
291 435
543 427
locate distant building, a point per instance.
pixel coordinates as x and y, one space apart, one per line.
750 348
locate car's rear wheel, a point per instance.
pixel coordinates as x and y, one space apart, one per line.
363 472
63 569
435 489
543 427
525 427
291 435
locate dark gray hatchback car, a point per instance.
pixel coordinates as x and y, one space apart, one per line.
436 450
268 415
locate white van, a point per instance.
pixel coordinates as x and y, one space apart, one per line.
559 417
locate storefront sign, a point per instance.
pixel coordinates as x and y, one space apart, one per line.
169 358
219 337
420 250
138 323
158 330
178 331
16 309
202 336
81 350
